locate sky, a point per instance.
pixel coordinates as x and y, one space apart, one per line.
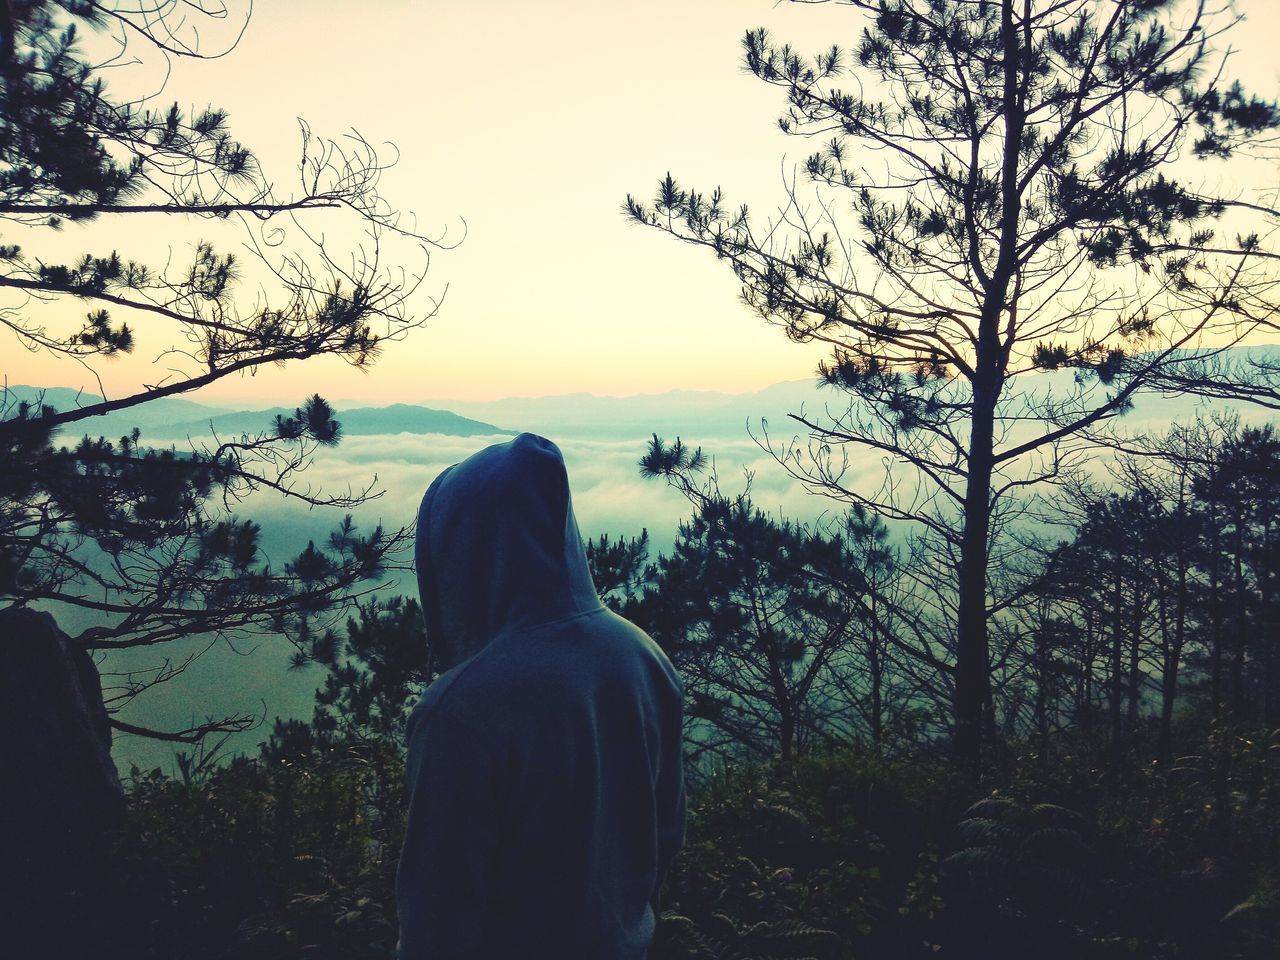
529 122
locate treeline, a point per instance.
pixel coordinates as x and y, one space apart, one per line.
1130 602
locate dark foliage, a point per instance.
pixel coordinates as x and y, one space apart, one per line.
292 854
149 543
830 856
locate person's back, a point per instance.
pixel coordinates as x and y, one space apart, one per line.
546 790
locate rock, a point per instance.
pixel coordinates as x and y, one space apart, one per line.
60 793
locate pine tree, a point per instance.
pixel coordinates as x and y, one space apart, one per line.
1002 188
148 541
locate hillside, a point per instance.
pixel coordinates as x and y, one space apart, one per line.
173 417
361 421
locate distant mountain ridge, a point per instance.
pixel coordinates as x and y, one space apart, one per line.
361 421
694 415
691 413
165 410
172 417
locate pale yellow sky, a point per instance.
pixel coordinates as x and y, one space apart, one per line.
531 121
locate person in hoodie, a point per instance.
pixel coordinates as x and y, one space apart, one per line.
546 791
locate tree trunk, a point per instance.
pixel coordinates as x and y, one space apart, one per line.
1215 635
1084 701
1172 661
1135 658
973 661
1042 694
1267 624
876 667
1240 617
1267 628
786 732
1117 657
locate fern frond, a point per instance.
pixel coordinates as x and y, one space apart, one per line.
992 808
986 833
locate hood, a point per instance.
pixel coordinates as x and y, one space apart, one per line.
498 548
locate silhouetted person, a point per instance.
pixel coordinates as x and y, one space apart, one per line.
546 787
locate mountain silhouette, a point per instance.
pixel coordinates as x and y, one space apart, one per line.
171 417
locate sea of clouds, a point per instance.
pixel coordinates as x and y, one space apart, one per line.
253 676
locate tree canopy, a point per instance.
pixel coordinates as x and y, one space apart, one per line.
999 189
149 541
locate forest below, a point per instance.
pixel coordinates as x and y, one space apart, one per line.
1129 808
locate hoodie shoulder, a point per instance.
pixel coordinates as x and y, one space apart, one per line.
561 660
436 697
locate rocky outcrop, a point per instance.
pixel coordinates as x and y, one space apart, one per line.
60 794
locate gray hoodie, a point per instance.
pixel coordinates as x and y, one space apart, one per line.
546 795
